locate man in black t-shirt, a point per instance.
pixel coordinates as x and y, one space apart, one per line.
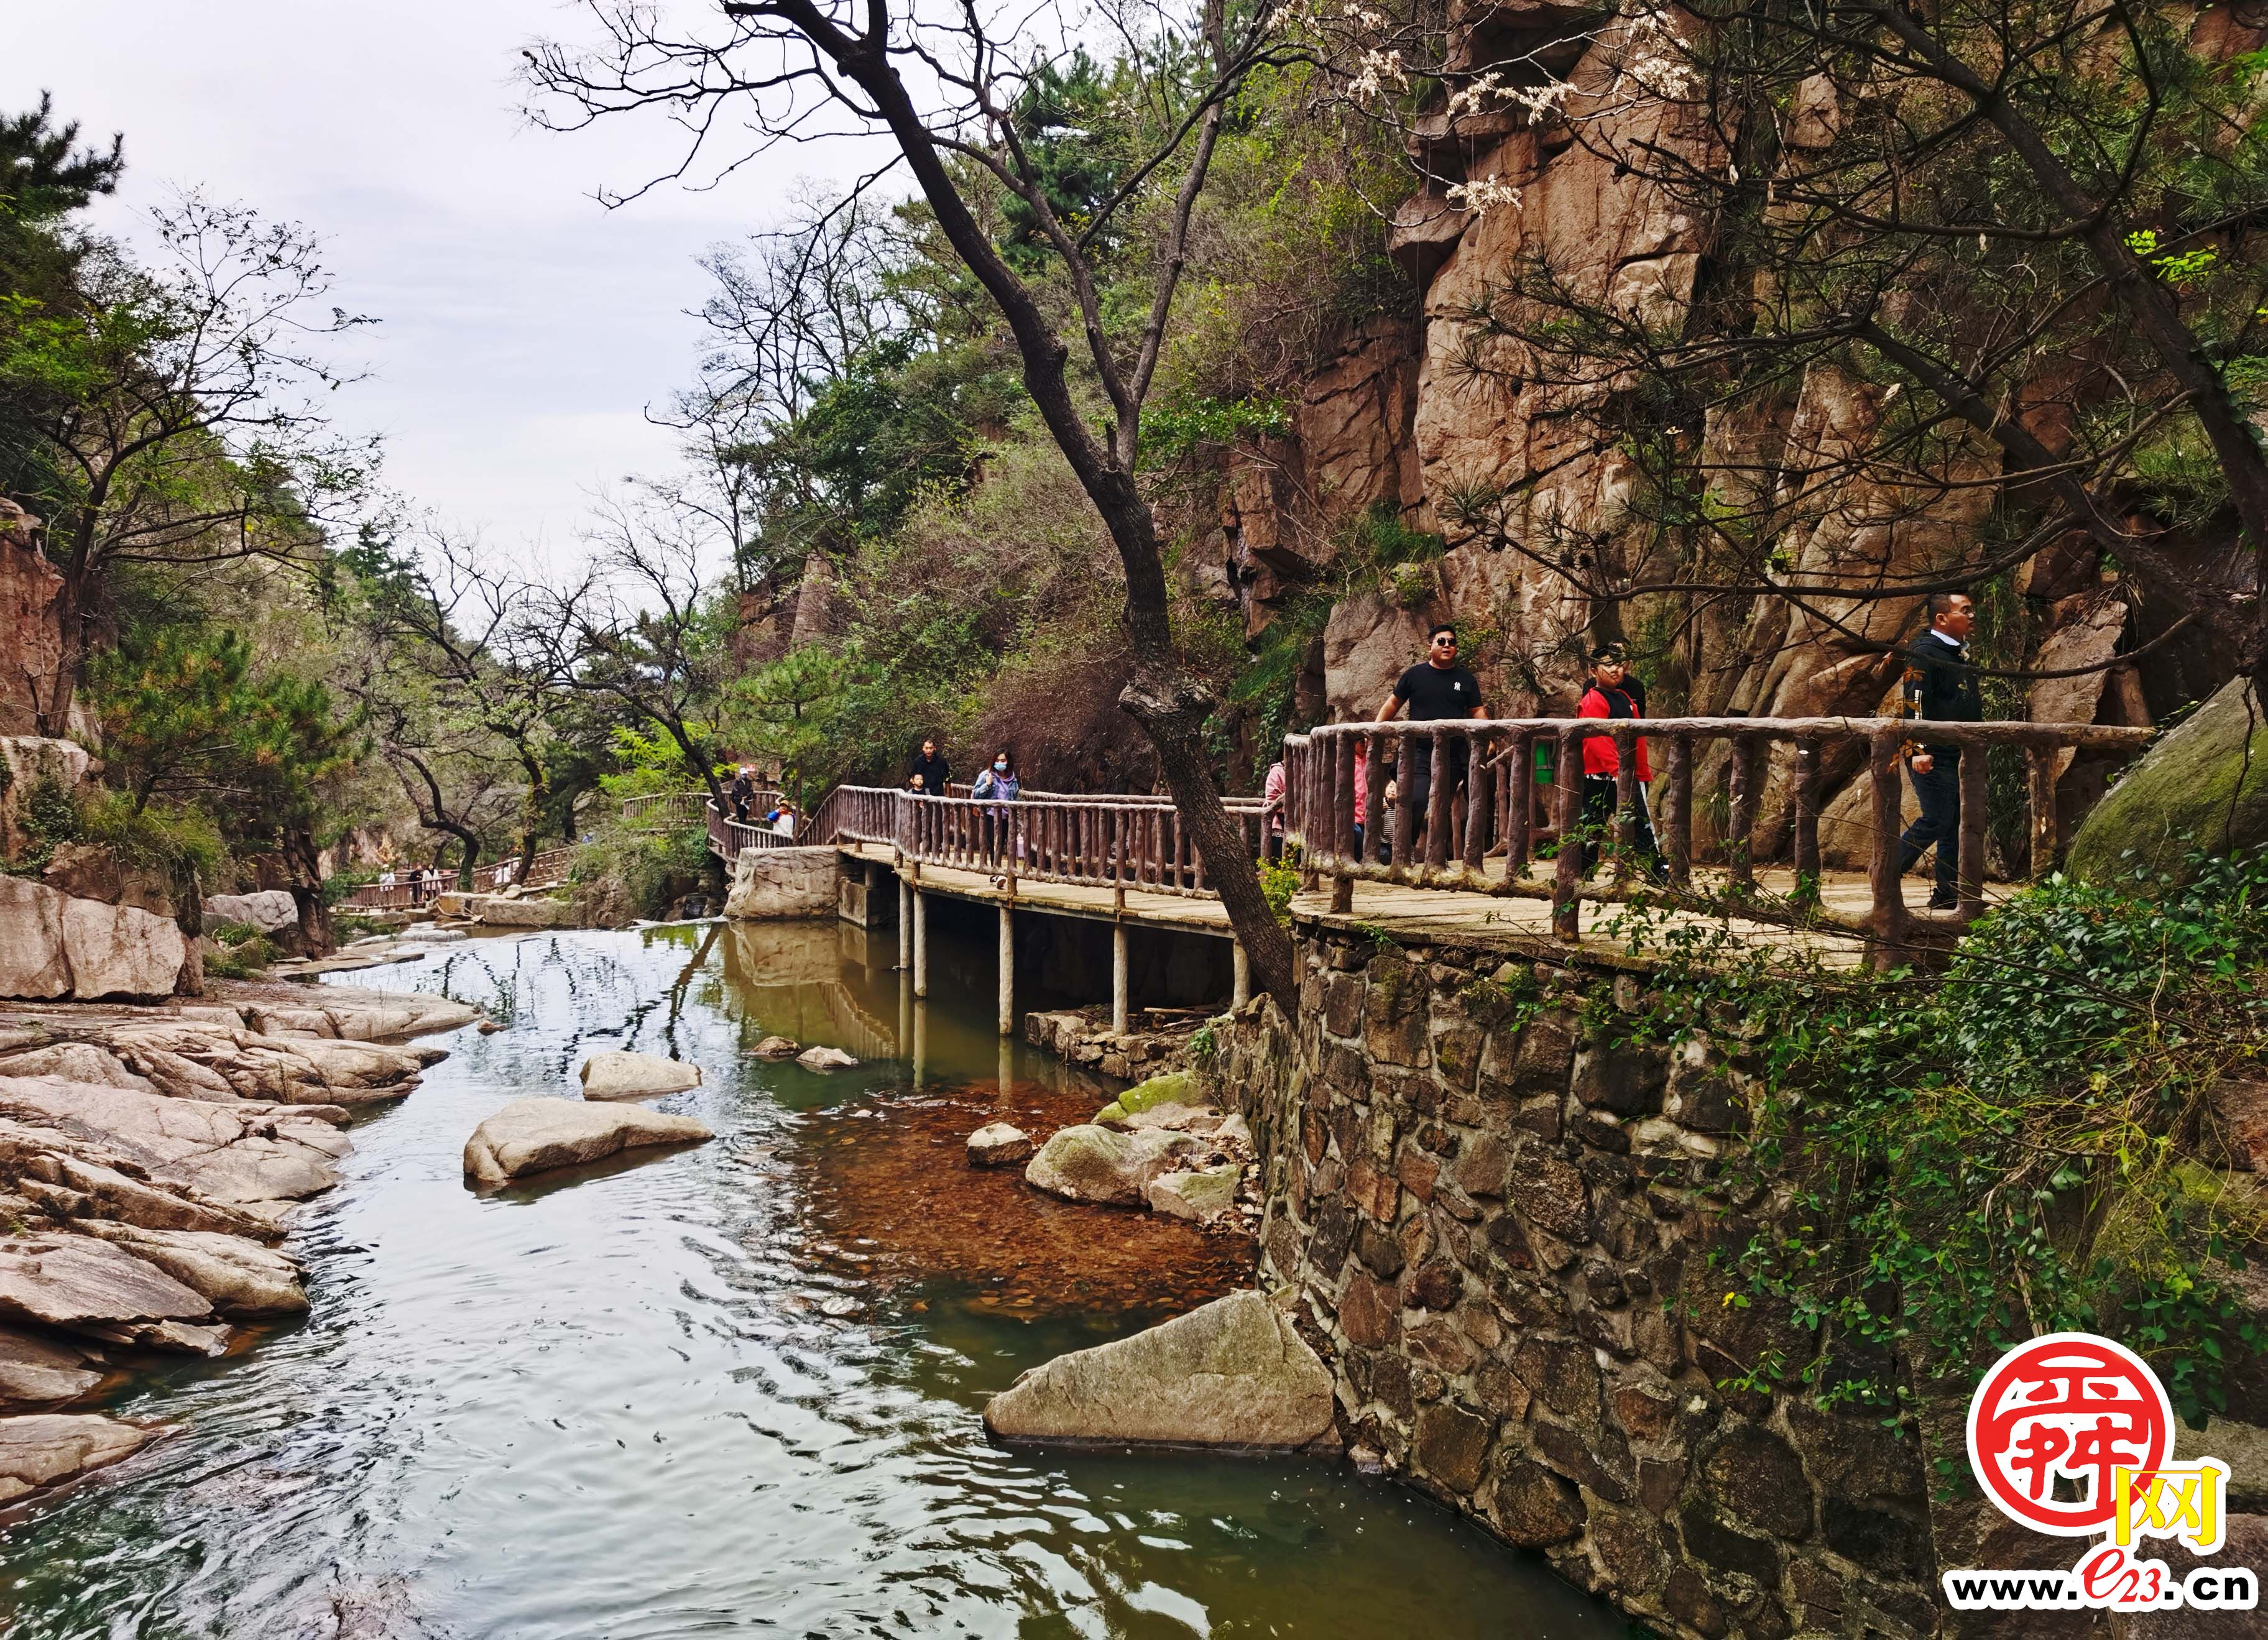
1436 687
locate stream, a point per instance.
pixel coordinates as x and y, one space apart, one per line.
732 1388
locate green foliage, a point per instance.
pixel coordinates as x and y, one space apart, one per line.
1176 428
1280 882
1067 122
654 868
44 172
1966 1161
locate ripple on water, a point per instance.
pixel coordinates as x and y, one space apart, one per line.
729 1389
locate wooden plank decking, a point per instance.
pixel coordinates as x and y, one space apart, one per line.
1434 913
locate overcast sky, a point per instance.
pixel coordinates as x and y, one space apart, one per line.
525 327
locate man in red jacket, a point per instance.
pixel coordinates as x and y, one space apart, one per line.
1613 695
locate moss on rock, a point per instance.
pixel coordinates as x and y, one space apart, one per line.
1175 1087
2195 790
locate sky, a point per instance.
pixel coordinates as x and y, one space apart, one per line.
523 328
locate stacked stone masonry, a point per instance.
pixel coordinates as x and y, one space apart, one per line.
1498 1229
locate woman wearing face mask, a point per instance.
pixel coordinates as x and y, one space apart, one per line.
998 782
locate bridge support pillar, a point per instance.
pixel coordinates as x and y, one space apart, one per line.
1118 979
1007 971
921 943
905 924
1239 965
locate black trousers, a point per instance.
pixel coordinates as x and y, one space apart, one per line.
1601 797
1939 825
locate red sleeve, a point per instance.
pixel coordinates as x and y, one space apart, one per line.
1595 705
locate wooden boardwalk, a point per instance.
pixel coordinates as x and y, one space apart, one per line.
1512 922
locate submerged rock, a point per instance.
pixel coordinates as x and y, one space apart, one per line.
46 1449
825 1059
533 1136
998 1144
1090 1164
636 1076
1232 1373
1204 1195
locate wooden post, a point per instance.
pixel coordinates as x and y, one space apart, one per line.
1677 811
921 941
1739 852
1890 889
1519 809
1240 985
1118 979
1567 881
1007 970
1477 804
1975 772
1343 818
906 1012
1405 821
1437 801
1808 775
920 1041
905 924
1342 895
2040 760
1625 799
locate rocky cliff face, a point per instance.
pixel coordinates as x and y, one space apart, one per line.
1457 430
30 644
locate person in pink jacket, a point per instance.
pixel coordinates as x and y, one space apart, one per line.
1272 798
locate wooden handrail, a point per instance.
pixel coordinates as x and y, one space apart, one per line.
1494 761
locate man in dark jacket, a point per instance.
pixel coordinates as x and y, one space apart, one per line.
1941 686
929 763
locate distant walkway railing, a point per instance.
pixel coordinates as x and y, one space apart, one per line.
1486 809
667 811
1102 841
546 870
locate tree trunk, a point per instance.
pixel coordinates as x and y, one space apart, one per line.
305 862
1161 696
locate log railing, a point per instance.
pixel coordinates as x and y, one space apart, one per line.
1484 824
546 870
674 811
728 837
1105 842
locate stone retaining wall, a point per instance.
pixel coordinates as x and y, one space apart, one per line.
1498 1228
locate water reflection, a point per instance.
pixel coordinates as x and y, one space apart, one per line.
731 1388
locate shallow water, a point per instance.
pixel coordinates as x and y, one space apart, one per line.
731 1388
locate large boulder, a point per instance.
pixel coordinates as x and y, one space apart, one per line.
772 884
48 1449
1232 1373
616 1075
55 945
1091 1164
2184 794
533 1135
269 911
239 1278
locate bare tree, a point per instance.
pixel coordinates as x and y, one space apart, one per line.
644 627
945 89
461 629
